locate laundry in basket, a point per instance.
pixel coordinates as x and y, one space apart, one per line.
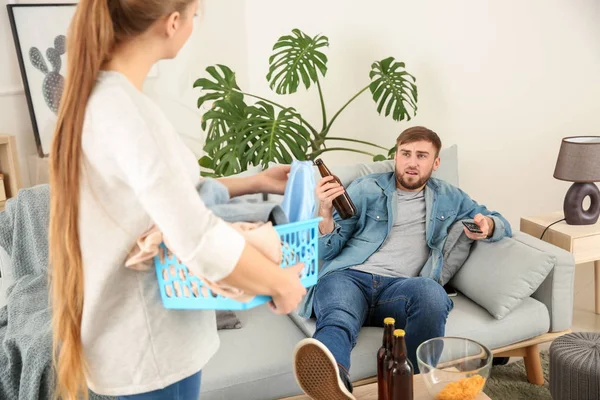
179 289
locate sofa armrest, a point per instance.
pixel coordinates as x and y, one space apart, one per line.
556 292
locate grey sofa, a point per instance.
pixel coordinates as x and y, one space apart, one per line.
255 362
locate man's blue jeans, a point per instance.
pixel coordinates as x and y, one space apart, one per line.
347 300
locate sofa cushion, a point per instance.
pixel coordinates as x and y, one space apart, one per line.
499 276
255 362
456 251
467 319
448 170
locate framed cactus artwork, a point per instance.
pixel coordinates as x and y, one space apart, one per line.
39 31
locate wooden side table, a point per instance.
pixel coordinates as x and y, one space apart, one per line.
583 241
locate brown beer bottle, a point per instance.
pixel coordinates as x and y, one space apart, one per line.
343 204
384 358
401 375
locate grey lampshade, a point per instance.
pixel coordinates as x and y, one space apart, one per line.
579 159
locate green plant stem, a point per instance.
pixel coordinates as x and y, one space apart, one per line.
305 122
322 104
324 133
319 152
357 141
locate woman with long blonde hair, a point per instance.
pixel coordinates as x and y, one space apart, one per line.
117 168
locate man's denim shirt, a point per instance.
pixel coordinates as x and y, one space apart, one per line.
355 239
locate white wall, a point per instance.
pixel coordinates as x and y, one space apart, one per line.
213 42
14 116
503 80
217 38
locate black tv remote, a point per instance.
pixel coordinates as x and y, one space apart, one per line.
472 227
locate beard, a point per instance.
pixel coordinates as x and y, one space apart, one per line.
413 182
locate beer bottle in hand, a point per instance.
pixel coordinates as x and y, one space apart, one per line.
343 204
384 359
401 375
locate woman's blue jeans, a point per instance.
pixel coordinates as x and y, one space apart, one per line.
186 389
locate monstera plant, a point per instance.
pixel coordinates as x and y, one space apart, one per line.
240 133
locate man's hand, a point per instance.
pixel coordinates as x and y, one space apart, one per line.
486 225
274 179
327 190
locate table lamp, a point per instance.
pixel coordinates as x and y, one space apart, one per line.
579 162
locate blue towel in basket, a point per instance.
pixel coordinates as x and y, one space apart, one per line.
299 198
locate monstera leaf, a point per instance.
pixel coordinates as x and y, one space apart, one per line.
223 87
392 85
223 138
298 58
222 117
270 136
390 154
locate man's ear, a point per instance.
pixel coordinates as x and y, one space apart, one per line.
436 164
172 24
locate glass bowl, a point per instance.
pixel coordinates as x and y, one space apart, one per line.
454 368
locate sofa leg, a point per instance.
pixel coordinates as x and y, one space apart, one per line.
533 365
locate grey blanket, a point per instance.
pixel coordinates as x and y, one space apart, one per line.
25 322
25 333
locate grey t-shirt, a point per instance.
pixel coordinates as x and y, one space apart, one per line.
405 250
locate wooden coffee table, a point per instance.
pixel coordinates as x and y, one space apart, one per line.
369 392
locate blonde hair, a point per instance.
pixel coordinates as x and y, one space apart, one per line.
97 27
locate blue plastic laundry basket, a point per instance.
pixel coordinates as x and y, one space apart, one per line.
180 290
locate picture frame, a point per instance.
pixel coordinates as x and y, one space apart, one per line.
39 31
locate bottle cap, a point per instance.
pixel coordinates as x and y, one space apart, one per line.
399 333
389 321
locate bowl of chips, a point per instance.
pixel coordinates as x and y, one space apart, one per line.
454 368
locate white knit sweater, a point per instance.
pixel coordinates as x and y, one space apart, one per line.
136 172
